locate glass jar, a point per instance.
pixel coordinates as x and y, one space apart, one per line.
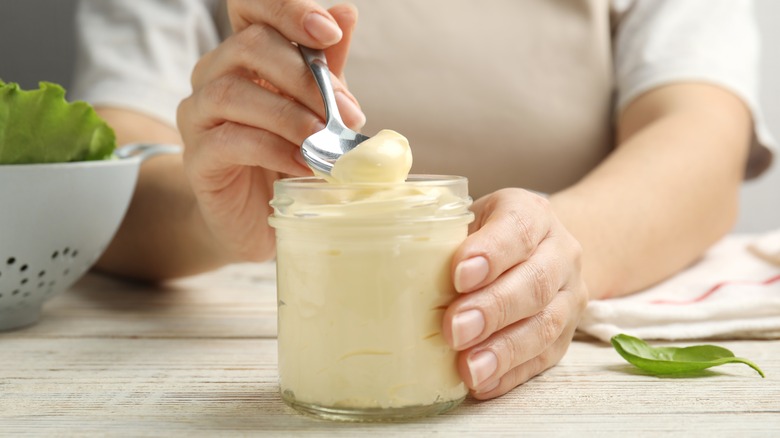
364 278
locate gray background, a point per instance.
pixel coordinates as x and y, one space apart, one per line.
37 44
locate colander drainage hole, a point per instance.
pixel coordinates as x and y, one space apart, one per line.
23 268
67 250
15 292
10 261
24 281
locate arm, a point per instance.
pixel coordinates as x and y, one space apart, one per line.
653 206
668 192
163 234
663 196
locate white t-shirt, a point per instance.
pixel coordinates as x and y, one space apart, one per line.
508 93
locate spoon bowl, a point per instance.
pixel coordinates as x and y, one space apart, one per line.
323 148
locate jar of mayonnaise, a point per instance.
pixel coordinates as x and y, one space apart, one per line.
364 277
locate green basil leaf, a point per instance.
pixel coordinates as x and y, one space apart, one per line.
674 360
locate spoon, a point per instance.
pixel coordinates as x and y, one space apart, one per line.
323 148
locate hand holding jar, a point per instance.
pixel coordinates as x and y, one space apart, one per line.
522 293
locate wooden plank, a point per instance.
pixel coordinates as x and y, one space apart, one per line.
197 357
176 385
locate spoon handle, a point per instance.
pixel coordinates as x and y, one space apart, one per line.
315 60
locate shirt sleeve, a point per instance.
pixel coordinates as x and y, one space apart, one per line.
658 42
140 54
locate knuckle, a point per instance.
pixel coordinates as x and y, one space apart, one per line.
254 36
221 135
511 351
283 112
543 284
245 44
262 137
501 308
550 325
216 94
292 11
522 228
276 10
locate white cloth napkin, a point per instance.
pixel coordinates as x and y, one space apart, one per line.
733 292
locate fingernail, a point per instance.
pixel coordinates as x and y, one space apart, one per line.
350 110
322 29
467 326
469 273
481 366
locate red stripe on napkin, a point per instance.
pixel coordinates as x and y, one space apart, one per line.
715 288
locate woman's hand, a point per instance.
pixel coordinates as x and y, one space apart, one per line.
253 103
519 274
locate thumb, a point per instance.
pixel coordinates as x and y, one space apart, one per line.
346 17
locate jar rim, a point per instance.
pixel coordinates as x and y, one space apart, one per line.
420 197
423 180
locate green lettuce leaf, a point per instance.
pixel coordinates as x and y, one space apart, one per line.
40 126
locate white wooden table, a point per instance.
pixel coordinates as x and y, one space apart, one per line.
198 358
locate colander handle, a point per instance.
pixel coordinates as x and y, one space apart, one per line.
145 150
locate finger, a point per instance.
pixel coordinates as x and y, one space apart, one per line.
237 99
346 17
524 291
519 343
509 225
261 52
232 144
302 21
525 371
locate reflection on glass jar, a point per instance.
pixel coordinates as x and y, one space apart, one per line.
364 277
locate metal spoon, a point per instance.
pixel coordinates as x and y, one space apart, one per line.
323 148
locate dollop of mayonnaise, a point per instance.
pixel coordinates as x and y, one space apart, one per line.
383 158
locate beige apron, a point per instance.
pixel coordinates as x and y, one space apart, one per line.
510 93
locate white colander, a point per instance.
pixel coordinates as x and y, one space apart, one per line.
55 221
